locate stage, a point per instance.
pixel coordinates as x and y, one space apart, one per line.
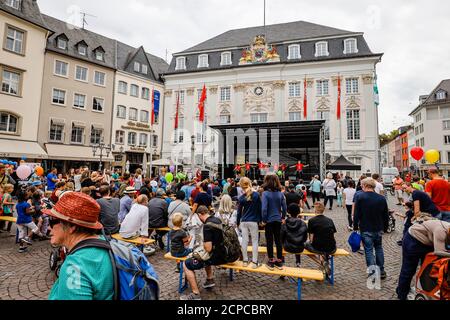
275 143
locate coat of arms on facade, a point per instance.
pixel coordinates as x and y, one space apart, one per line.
259 52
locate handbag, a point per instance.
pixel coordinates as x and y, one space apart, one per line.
355 241
199 253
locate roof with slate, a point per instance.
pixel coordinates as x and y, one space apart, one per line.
432 98
28 11
282 36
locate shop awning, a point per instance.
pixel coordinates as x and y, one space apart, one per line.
19 149
74 153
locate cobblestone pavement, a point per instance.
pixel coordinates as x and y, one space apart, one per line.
27 276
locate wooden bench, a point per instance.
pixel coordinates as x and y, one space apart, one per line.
139 242
165 229
339 253
296 273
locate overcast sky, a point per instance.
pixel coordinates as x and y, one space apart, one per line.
413 35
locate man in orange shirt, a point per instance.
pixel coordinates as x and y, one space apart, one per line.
439 191
398 187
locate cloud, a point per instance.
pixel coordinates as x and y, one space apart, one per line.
413 35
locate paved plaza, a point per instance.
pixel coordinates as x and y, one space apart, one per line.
27 276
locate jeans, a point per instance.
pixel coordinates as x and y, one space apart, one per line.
444 216
371 241
339 200
250 228
273 232
329 198
414 253
350 216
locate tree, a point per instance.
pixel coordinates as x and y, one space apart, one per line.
386 138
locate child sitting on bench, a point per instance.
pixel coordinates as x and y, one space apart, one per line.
179 238
294 233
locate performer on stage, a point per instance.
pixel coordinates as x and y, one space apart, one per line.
237 170
283 168
299 169
261 167
248 168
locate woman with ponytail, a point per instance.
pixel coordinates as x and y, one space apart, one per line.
248 218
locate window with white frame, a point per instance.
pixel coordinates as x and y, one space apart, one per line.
121 112
325 115
11 82
421 128
350 46
79 101
258 117
137 67
14 4
98 104
225 94
120 137
146 93
82 49
81 73
226 59
444 112
179 133
446 125
123 87
322 87
441 95
99 55
143 140
132 138
181 95
180 63
96 135
295 116
225 119
8 123
294 52
77 134
15 40
99 78
352 85
133 114
294 89
144 69
59 97
62 43
353 125
56 133
422 142
419 117
144 116
61 68
203 61
447 139
322 49
134 90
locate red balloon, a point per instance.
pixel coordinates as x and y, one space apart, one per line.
417 153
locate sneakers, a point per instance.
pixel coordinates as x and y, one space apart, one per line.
160 243
350 228
279 264
191 297
383 275
23 249
298 265
400 243
209 284
26 241
149 251
255 265
245 264
271 264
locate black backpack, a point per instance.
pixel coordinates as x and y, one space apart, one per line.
231 245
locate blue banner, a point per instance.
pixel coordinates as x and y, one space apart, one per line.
157 98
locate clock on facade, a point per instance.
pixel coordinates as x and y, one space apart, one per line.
259 91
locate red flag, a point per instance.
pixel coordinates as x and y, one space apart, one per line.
339 99
305 101
153 106
201 105
178 111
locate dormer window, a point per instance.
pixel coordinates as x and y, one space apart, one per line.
294 52
181 63
322 49
226 59
62 42
203 61
350 46
99 54
441 95
13 4
82 48
137 67
144 69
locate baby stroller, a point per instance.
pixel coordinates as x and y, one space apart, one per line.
391 226
57 257
433 278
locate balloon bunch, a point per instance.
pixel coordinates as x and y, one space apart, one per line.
432 156
10 163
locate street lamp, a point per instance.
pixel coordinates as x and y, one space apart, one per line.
193 154
100 148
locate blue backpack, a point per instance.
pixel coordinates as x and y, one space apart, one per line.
355 241
135 278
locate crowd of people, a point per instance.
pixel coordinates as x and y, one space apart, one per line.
131 205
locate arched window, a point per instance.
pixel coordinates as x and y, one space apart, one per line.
8 123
